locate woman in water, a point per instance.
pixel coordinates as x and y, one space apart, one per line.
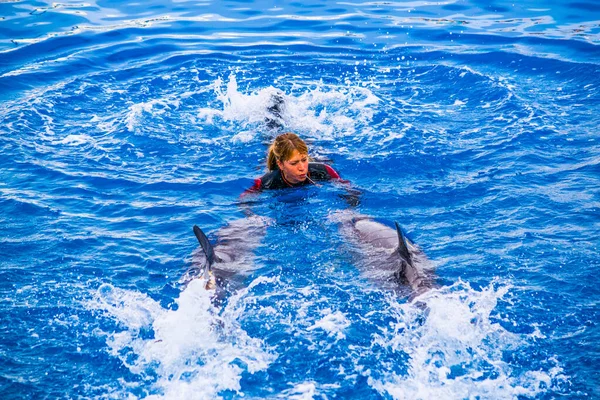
289 166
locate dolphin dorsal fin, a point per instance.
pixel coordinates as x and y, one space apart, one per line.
402 246
211 257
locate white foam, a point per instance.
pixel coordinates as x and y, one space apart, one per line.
301 391
456 349
311 109
155 107
244 136
132 309
208 115
75 140
307 391
193 353
332 323
135 114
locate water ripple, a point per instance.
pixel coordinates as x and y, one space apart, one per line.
472 123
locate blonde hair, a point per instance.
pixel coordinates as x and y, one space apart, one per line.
282 148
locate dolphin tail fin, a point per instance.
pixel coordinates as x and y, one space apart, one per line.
208 249
402 246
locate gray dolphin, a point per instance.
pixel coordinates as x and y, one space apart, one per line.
229 261
388 257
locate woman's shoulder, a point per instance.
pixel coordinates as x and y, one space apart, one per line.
322 171
272 180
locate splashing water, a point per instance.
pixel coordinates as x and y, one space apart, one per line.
188 351
458 348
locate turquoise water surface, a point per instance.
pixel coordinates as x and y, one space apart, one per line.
472 123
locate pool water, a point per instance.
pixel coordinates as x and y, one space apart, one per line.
473 124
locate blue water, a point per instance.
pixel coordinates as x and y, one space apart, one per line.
474 124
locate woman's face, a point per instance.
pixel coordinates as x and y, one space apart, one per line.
295 168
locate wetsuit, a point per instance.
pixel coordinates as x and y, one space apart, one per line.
275 180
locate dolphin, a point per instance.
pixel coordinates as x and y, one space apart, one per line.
229 260
389 258
409 271
209 253
275 109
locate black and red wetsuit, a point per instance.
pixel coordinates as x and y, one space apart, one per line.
275 180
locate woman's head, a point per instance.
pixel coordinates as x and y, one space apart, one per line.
289 153
283 147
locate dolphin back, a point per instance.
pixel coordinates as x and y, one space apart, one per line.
208 249
402 246
409 272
